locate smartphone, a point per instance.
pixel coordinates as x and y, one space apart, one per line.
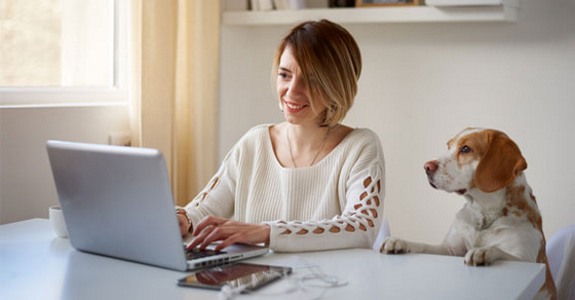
252 276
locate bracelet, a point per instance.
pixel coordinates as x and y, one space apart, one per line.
181 211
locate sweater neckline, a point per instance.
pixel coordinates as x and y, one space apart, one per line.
271 150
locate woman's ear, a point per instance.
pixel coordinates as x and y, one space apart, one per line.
500 164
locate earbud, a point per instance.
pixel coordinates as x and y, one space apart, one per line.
228 293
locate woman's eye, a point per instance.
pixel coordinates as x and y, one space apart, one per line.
465 150
283 75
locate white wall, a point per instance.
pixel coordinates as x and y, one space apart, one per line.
26 184
423 83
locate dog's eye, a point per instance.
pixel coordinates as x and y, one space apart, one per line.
465 150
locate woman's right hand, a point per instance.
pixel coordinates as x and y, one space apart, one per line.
211 229
184 225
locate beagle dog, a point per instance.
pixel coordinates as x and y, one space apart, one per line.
500 220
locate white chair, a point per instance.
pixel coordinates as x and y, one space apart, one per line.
556 254
383 233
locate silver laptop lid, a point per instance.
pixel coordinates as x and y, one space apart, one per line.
117 201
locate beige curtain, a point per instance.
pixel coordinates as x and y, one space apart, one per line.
173 55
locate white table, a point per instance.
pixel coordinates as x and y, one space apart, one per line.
35 264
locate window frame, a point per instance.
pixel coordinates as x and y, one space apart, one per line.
114 94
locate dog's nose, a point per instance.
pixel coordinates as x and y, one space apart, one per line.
430 167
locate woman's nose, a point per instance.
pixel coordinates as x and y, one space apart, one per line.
296 87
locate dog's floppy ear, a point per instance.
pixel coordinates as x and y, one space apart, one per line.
500 164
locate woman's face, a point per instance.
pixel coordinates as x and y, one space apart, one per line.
293 93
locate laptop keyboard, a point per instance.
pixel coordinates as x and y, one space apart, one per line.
197 253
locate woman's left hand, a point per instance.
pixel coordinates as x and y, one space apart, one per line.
212 229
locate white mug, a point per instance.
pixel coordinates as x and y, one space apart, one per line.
57 221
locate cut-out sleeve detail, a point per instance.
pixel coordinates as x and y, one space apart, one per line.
357 226
217 197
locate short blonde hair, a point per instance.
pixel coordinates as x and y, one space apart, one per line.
330 62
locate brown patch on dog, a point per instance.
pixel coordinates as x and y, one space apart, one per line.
454 139
515 196
500 161
478 142
533 198
549 284
450 142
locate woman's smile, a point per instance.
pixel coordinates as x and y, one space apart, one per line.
294 107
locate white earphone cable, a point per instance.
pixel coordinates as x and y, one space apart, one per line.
307 283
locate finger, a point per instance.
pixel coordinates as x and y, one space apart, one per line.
192 244
199 238
253 235
249 234
207 221
215 235
235 238
196 241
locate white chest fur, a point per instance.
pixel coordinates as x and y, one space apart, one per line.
481 219
475 228
487 219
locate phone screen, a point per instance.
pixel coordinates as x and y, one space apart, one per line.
251 276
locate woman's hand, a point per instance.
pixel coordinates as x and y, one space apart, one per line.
212 229
184 225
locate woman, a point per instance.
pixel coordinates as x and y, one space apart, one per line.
308 183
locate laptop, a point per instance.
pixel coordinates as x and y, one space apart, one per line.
117 201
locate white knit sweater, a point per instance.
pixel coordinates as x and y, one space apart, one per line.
336 203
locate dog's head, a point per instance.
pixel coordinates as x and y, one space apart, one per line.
486 159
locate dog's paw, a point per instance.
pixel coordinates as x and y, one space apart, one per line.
393 245
479 256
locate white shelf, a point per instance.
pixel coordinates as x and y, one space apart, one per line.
464 2
399 14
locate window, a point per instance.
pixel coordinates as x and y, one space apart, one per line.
61 51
